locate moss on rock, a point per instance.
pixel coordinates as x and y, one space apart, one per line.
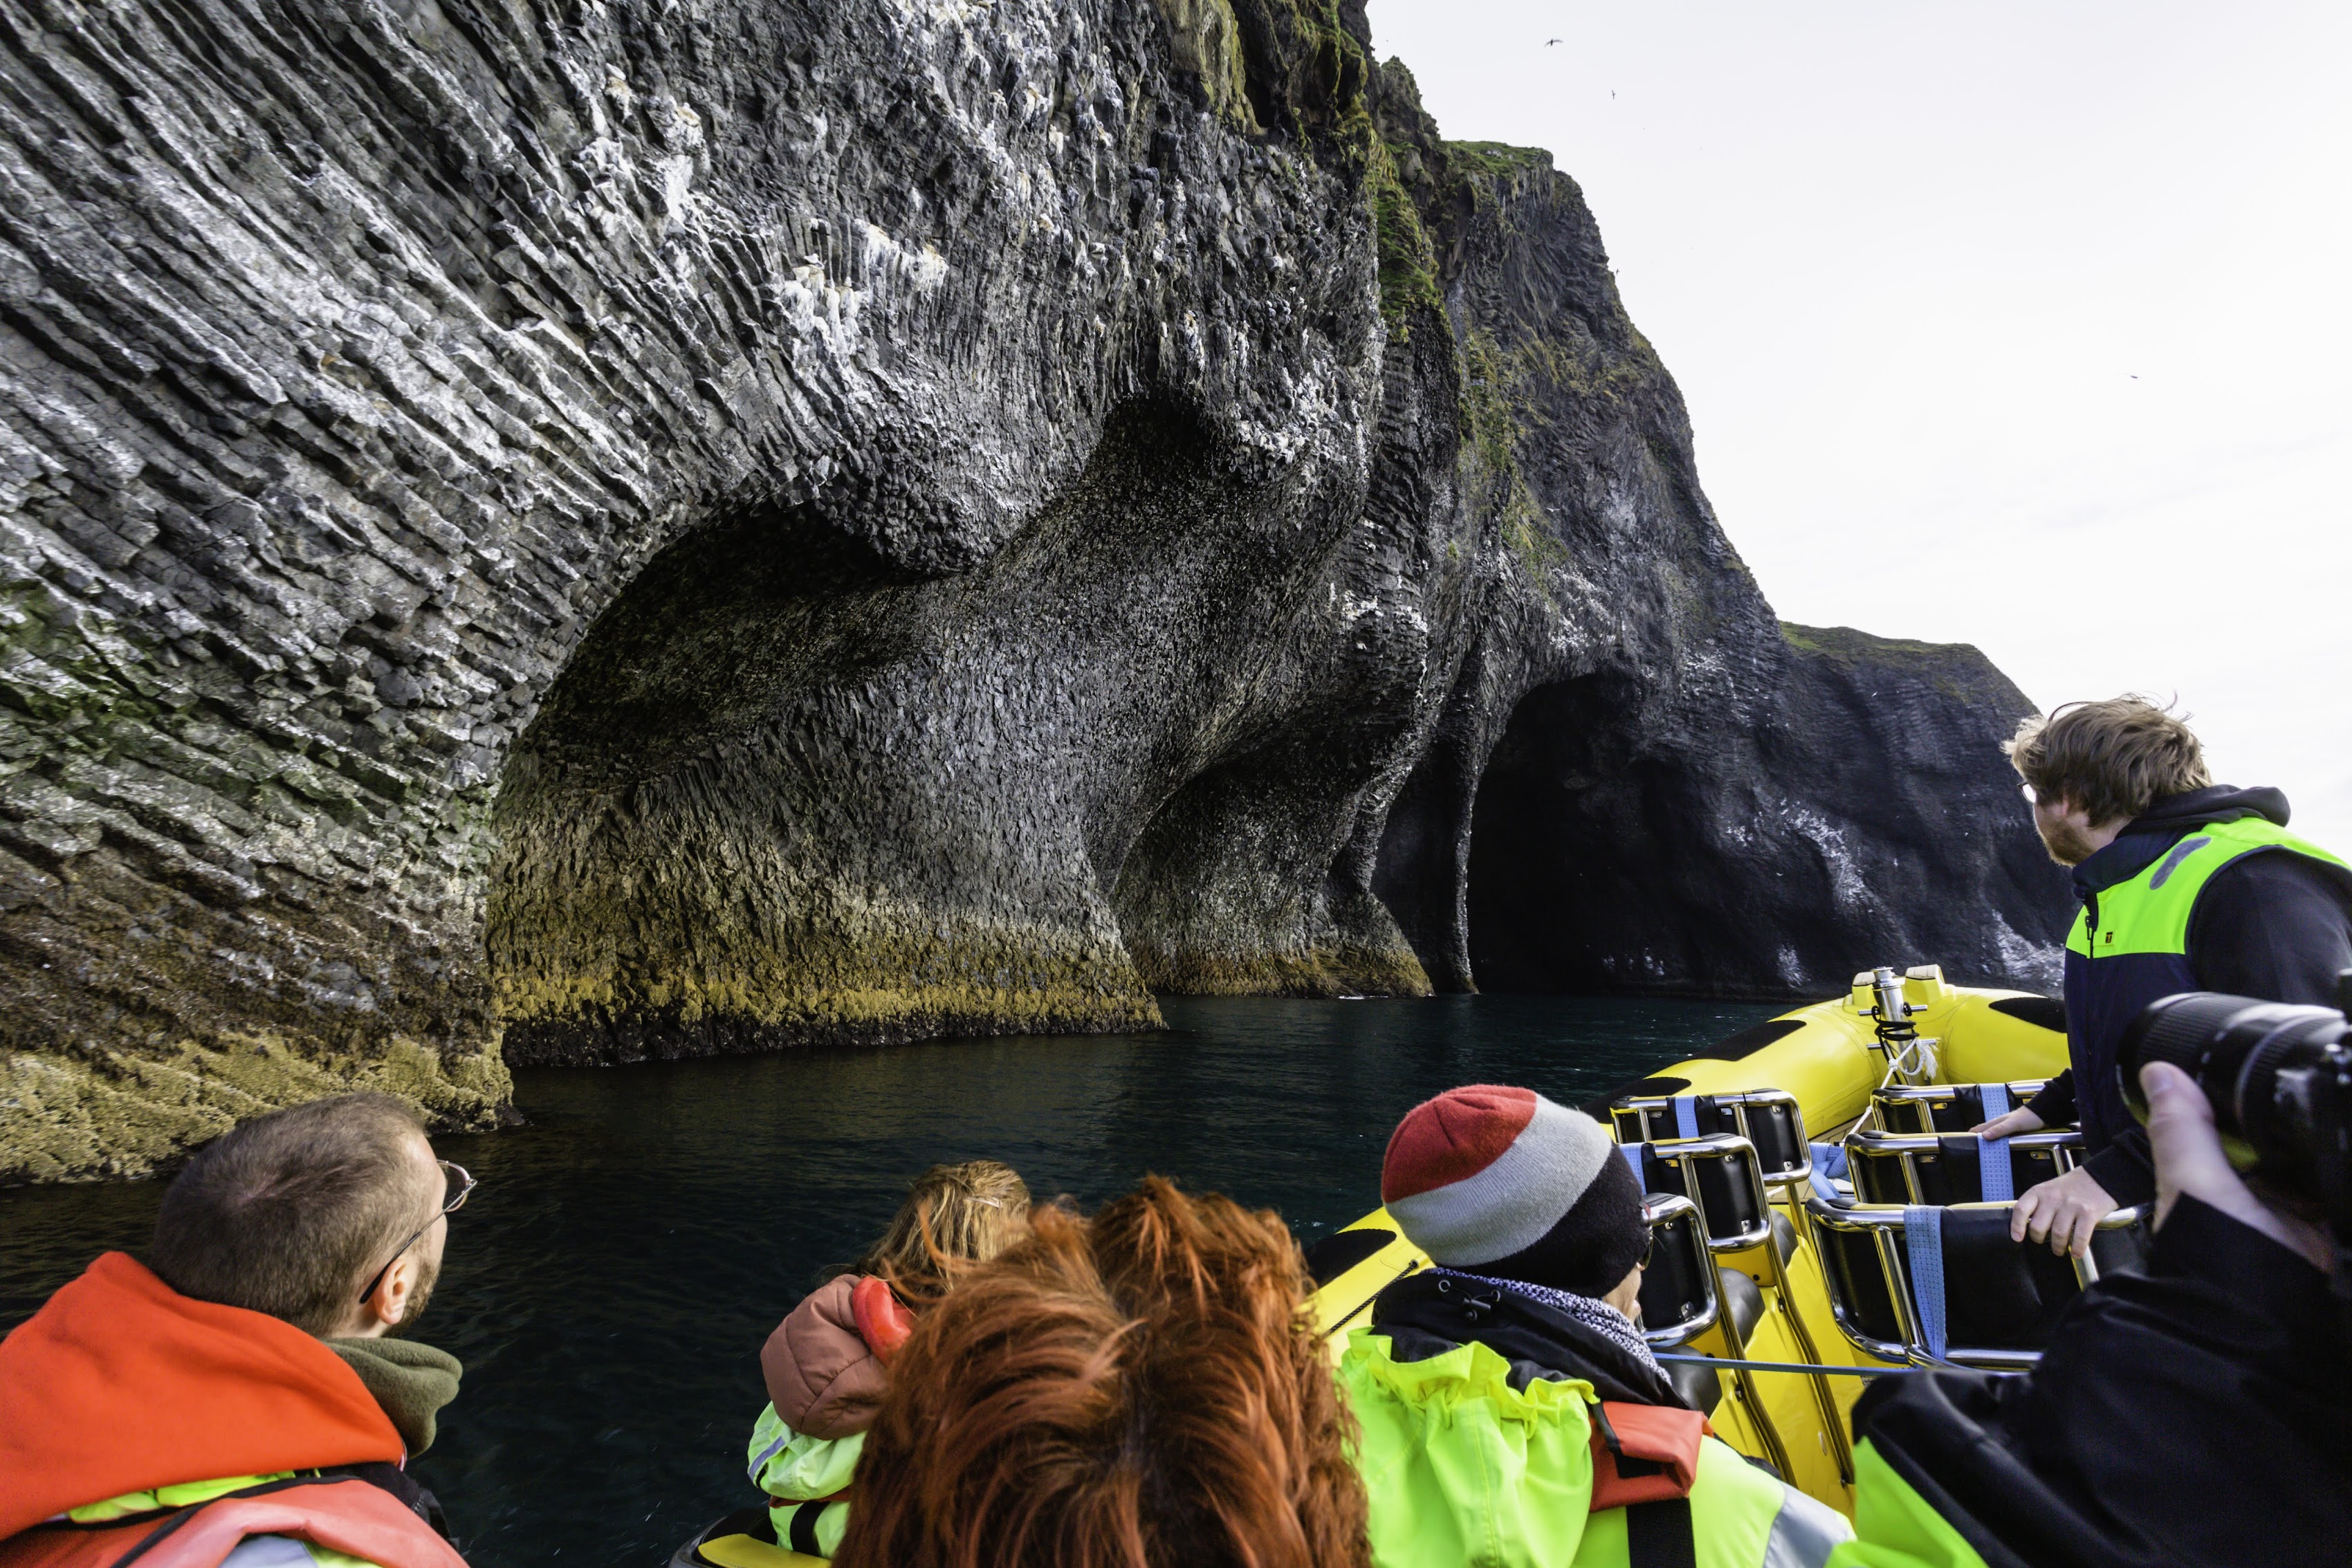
116 1113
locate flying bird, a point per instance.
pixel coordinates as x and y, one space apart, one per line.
1549 42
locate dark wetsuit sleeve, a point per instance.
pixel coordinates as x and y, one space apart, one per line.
2056 1103
2274 925
2125 1169
2188 1415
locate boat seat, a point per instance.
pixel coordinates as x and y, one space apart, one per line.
1930 1286
1943 1169
1948 1107
1718 1172
1700 1384
1743 1300
1681 1296
1769 1119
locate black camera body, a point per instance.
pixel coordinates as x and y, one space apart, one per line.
2280 1080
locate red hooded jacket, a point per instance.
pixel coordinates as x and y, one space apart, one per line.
120 1383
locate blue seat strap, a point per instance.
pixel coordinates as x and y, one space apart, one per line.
1995 1177
1923 1246
1633 1152
1687 1115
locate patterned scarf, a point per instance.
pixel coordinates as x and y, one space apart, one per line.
1593 1314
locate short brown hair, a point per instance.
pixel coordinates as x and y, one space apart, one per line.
287 1214
1144 1390
960 1213
2112 760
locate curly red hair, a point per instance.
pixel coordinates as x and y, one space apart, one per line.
1142 1390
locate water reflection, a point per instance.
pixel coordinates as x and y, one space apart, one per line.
609 1286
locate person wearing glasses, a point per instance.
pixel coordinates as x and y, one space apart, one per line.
2185 885
236 1396
1512 1414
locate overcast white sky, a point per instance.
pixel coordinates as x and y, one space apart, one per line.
2025 324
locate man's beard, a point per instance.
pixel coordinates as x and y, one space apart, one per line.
2065 842
419 1295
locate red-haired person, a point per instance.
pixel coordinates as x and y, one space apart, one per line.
1142 1390
1482 1383
827 1363
234 1403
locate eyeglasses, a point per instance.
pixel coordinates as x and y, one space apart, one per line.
461 1187
1648 1246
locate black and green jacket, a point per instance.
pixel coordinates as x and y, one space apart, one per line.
2191 1415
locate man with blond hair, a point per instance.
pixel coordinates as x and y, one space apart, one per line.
2186 886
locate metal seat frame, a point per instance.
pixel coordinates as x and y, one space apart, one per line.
1663 1209
1740 1104
2021 1090
1684 1155
1908 1147
1883 1224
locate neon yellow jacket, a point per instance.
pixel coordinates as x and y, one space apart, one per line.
1466 1472
793 1468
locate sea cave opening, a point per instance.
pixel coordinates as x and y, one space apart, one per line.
1565 889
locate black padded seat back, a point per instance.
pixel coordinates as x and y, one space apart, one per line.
1852 1256
1743 1300
1949 1174
1700 1384
1776 1129
1948 1108
1645 1126
1674 1287
1725 1184
2001 1295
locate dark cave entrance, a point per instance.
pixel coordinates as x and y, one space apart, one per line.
784 792
1566 889
639 814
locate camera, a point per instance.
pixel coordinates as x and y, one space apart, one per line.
2280 1081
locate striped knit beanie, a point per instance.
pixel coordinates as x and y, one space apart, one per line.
1503 1182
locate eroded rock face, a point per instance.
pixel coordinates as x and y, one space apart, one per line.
646 529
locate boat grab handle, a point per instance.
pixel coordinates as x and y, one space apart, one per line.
1813 1367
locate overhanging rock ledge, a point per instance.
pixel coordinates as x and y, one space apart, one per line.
538 532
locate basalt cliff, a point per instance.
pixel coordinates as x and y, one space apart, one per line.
544 532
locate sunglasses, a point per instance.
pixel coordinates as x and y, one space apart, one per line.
461 1187
1649 1247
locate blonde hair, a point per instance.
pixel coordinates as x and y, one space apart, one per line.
954 1214
2111 760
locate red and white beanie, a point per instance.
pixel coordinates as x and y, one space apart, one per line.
1501 1181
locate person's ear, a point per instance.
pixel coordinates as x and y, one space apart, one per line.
388 1303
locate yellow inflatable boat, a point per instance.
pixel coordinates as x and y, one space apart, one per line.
1822 1215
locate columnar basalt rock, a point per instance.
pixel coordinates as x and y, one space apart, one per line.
554 533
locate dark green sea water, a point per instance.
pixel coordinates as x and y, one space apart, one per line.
610 1284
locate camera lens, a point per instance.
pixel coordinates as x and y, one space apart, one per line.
2236 1049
